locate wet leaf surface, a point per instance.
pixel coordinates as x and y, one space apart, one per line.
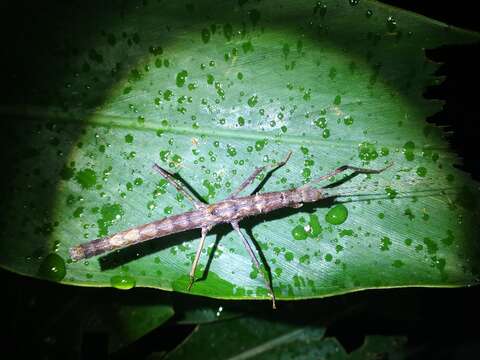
211 95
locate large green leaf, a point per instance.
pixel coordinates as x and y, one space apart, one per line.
210 91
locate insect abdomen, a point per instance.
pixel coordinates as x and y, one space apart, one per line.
159 228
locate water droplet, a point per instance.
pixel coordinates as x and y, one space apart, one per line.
306 172
299 233
353 2
78 212
151 205
409 150
210 79
247 47
176 160
385 243
122 282
337 215
210 188
289 256
86 178
156 50
320 8
392 193
328 257
181 78
449 239
408 212
241 121
321 122
369 13
165 154
398 263
432 246
231 150
260 144
52 268
252 101
367 151
391 24
128 138
348 120
422 171
110 214
337 100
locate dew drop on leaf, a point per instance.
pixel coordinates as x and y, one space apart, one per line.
337 215
409 150
52 268
252 101
421 171
181 78
86 178
299 233
122 282
391 24
385 243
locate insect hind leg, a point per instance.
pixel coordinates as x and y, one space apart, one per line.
255 261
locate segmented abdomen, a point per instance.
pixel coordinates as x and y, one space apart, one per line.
166 226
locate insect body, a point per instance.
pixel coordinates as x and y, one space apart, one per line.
205 216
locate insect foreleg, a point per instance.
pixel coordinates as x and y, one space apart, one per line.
254 260
257 171
180 188
348 167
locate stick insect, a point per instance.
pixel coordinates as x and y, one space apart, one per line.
205 216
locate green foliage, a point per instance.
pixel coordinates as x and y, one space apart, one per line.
213 94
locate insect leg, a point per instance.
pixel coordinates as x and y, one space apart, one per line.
254 260
205 230
348 167
257 171
180 188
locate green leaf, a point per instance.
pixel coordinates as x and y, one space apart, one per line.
69 318
128 319
211 94
254 338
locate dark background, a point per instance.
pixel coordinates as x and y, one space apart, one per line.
439 323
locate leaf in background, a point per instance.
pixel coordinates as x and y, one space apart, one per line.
254 338
67 320
210 91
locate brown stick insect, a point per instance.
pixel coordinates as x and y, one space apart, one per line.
205 216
